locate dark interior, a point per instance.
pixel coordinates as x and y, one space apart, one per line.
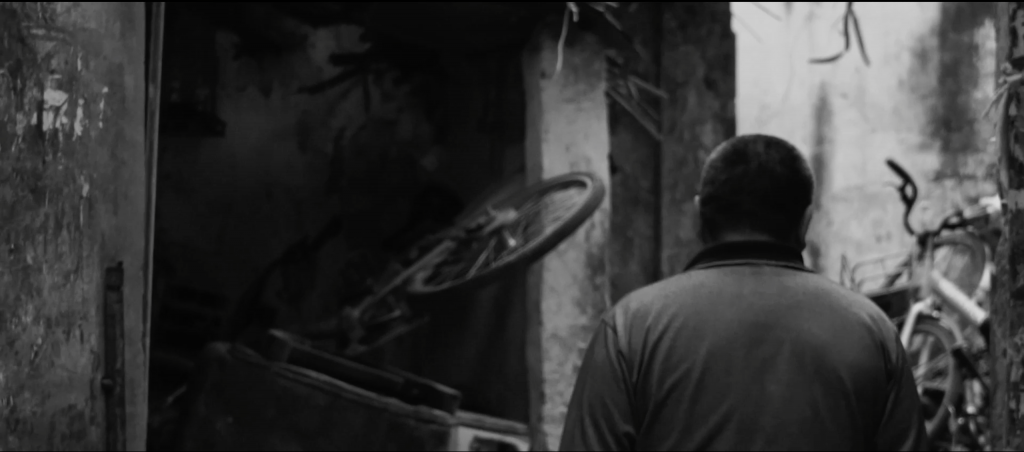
305 146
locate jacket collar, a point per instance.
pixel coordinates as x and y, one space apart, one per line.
748 252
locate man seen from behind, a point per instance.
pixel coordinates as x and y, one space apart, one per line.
747 349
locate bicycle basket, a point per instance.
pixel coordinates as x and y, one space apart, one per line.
894 301
873 274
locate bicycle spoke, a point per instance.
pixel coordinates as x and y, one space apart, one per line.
923 357
487 245
483 257
929 366
551 211
933 386
526 222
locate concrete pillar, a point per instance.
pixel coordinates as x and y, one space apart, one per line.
635 154
566 130
72 202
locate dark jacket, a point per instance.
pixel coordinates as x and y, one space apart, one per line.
746 350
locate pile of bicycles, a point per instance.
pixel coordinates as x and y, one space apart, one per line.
938 296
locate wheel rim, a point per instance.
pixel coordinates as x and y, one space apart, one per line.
932 365
504 231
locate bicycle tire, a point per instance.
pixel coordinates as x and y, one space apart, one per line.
536 249
928 326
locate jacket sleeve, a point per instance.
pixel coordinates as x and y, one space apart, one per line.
600 415
902 427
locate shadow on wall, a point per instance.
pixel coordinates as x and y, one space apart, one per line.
819 161
953 116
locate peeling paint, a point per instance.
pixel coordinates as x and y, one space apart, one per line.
49 387
1017 46
1015 198
20 123
103 104
54 105
80 117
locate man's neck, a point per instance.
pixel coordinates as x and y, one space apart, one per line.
748 236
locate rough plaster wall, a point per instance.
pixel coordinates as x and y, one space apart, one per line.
634 171
920 102
653 183
566 130
72 202
697 73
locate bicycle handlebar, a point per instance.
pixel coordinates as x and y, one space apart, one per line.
902 173
908 192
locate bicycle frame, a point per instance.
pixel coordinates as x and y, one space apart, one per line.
936 298
939 291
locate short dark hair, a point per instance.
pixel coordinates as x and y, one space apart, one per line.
755 183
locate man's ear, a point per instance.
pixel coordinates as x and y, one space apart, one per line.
696 212
805 225
697 226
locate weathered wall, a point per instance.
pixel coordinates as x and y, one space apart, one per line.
697 74
567 290
1007 336
692 57
72 202
634 169
919 102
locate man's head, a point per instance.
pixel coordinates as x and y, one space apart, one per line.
755 186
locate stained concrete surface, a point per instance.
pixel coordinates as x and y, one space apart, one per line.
72 202
566 130
691 56
697 73
634 159
920 102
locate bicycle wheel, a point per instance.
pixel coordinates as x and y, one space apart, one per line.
939 381
535 221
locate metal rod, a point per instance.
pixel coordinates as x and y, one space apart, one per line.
113 358
152 130
953 297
